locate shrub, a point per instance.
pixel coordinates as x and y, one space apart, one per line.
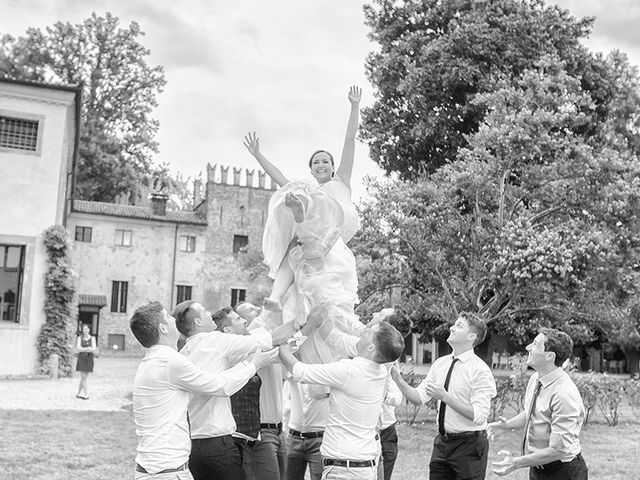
59 285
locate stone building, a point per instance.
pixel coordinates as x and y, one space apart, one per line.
126 256
236 214
39 133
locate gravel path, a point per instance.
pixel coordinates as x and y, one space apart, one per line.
110 389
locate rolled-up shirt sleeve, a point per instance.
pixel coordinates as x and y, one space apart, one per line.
566 421
342 342
184 375
483 389
422 388
330 374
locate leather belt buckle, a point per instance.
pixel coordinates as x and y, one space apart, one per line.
298 434
348 463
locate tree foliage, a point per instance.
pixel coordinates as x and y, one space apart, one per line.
59 286
436 56
119 95
535 222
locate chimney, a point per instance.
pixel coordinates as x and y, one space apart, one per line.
197 195
159 203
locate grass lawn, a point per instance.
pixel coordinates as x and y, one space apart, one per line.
52 445
611 453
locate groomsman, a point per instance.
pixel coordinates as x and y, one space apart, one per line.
464 386
552 416
161 393
350 446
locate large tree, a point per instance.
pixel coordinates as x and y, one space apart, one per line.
536 221
435 56
119 95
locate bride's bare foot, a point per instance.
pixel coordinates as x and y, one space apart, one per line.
296 206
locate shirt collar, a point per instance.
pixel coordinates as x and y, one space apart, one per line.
158 348
367 362
464 357
551 377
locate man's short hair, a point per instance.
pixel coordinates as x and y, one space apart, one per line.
477 325
389 343
144 323
185 316
221 318
559 343
399 321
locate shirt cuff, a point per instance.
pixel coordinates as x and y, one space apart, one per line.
479 416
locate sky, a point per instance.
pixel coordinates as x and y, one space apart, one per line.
281 68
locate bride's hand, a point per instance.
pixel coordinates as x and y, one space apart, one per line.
355 93
252 142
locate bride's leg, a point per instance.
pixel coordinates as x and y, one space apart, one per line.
282 282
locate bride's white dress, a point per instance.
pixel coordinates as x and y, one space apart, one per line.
323 265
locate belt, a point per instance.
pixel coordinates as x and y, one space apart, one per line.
298 434
348 463
222 438
459 435
141 469
557 463
274 426
245 441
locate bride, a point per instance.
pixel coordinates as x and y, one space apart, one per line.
308 226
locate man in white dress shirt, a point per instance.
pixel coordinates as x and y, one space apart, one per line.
552 417
161 393
347 346
464 386
269 451
350 445
214 453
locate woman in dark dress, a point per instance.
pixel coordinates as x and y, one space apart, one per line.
86 346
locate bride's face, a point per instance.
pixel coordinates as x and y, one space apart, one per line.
322 167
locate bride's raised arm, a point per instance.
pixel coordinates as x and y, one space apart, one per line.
252 142
348 150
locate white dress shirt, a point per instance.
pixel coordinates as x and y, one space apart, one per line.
471 382
309 403
357 388
348 345
271 399
160 398
392 399
213 351
558 415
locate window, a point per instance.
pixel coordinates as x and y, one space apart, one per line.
184 293
239 242
119 297
237 296
187 243
123 238
11 272
116 341
83 234
19 133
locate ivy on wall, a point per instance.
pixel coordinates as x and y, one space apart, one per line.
59 285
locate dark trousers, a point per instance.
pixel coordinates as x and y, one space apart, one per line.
389 444
215 458
261 459
301 452
576 469
459 458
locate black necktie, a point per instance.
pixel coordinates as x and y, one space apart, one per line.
443 406
536 392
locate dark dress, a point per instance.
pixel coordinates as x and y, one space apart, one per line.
85 359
